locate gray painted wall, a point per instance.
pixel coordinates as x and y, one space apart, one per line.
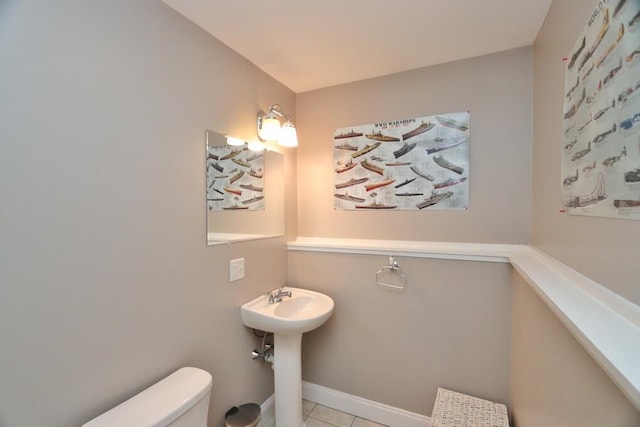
106 283
496 88
555 382
450 327
604 249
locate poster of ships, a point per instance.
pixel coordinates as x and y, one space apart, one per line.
235 178
601 116
409 164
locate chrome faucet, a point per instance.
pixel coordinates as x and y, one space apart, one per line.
276 296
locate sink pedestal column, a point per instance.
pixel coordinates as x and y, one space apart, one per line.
287 366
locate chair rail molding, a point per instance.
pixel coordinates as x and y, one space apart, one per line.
589 310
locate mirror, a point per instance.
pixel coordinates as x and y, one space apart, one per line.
244 191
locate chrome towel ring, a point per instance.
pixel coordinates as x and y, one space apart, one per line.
393 267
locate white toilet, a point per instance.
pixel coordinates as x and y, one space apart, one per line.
179 400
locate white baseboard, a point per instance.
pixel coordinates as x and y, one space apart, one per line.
363 408
268 410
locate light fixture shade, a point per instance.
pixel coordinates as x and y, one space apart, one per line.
255 146
288 135
270 130
234 141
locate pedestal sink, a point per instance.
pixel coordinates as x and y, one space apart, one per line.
288 319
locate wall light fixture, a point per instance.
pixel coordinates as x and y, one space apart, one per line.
234 141
251 145
269 128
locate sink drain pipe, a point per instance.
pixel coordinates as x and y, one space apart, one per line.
264 353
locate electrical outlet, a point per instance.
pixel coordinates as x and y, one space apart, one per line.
236 269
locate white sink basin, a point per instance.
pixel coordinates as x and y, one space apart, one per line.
304 311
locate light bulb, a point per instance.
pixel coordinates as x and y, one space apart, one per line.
270 129
255 146
234 141
288 135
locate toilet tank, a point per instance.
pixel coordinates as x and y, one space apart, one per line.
179 400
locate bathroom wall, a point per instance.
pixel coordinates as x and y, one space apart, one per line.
555 382
496 89
106 282
602 248
499 91
451 326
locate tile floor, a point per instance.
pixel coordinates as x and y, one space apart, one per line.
321 416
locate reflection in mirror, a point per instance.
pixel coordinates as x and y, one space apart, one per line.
245 191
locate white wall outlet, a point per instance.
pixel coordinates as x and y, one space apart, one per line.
236 269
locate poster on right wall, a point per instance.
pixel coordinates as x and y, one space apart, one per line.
601 122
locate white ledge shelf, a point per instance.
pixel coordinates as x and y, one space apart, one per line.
607 325
225 238
441 250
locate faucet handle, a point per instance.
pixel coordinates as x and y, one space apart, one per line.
271 296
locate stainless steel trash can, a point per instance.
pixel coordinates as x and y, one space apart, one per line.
247 415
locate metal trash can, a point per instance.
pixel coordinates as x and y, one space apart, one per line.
247 415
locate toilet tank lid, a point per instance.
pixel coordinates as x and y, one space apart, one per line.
160 404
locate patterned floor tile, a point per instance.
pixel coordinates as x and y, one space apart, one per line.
307 407
331 416
360 422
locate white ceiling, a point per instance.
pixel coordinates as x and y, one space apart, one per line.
308 44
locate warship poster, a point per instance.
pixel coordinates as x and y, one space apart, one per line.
409 164
601 116
235 178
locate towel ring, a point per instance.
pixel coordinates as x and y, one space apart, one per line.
394 268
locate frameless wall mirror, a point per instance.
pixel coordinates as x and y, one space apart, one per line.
244 191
